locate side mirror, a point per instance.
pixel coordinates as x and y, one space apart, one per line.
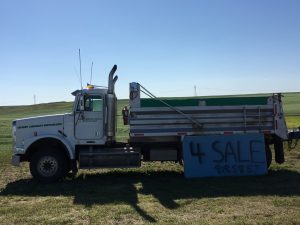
81 103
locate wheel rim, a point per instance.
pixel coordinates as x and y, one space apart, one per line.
47 166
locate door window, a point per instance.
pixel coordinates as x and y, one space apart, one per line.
93 103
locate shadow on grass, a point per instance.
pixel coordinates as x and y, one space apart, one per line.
123 187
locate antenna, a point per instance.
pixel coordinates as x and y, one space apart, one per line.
91 72
80 69
195 90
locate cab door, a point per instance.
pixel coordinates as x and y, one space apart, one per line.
89 120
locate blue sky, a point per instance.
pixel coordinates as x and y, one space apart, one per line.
222 47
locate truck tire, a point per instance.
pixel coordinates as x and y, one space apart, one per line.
268 155
48 165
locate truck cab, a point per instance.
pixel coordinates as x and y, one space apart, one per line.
89 120
56 144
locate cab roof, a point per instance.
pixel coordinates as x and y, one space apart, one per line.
90 91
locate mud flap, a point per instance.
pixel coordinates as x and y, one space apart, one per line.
279 152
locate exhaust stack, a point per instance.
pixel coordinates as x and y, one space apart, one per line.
112 80
111 106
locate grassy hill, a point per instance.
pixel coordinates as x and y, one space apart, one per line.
155 193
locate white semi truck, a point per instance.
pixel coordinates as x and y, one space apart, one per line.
86 138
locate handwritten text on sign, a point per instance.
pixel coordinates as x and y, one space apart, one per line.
224 155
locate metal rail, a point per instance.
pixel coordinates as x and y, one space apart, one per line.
149 94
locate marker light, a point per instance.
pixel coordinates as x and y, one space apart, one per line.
89 86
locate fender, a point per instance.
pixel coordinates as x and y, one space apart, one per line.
28 142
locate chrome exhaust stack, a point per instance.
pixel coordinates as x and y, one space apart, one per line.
112 80
111 106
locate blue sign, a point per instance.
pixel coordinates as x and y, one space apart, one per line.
224 155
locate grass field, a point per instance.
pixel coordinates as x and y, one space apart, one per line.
155 193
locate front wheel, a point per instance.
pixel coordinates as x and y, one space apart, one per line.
48 165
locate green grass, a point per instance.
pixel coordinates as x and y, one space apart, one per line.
292 103
154 193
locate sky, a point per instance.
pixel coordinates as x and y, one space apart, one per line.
169 46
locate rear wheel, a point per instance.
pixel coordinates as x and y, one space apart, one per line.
48 165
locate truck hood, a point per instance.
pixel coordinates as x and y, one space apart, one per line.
40 121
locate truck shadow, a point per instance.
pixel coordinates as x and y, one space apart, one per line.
166 186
